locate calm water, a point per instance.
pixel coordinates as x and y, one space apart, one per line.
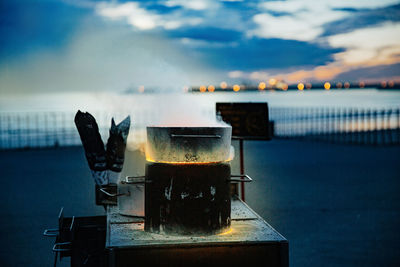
195 101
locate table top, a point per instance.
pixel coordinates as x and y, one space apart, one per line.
247 227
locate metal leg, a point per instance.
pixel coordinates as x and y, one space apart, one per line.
241 168
55 259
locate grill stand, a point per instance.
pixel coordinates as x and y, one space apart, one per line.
249 242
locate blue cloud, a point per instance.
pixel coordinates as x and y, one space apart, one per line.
160 8
348 9
363 18
211 34
255 54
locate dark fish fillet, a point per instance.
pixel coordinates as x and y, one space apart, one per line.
116 144
91 140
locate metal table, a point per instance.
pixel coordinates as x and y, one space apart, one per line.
250 241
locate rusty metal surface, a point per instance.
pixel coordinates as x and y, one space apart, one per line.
246 228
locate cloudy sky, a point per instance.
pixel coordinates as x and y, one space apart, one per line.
83 45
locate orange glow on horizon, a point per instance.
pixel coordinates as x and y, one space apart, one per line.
327 72
320 73
148 159
298 75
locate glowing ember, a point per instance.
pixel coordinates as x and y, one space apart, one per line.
229 231
230 158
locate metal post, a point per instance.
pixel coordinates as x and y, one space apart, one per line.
352 127
362 127
2 134
241 167
37 130
319 121
340 125
388 128
9 131
369 125
19 132
28 130
309 123
357 126
46 129
383 128
375 117
398 125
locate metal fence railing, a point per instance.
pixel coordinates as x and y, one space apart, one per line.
344 125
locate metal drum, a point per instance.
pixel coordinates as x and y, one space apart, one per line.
187 198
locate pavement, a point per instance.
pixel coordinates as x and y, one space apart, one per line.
338 205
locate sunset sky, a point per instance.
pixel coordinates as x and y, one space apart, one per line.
83 45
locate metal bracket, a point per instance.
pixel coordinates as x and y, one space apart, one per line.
196 135
246 180
58 247
112 195
50 232
129 180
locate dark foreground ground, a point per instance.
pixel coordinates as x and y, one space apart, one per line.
337 205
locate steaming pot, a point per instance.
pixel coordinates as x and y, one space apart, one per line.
188 144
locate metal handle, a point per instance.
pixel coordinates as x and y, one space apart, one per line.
196 135
129 181
113 195
247 180
57 247
50 232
